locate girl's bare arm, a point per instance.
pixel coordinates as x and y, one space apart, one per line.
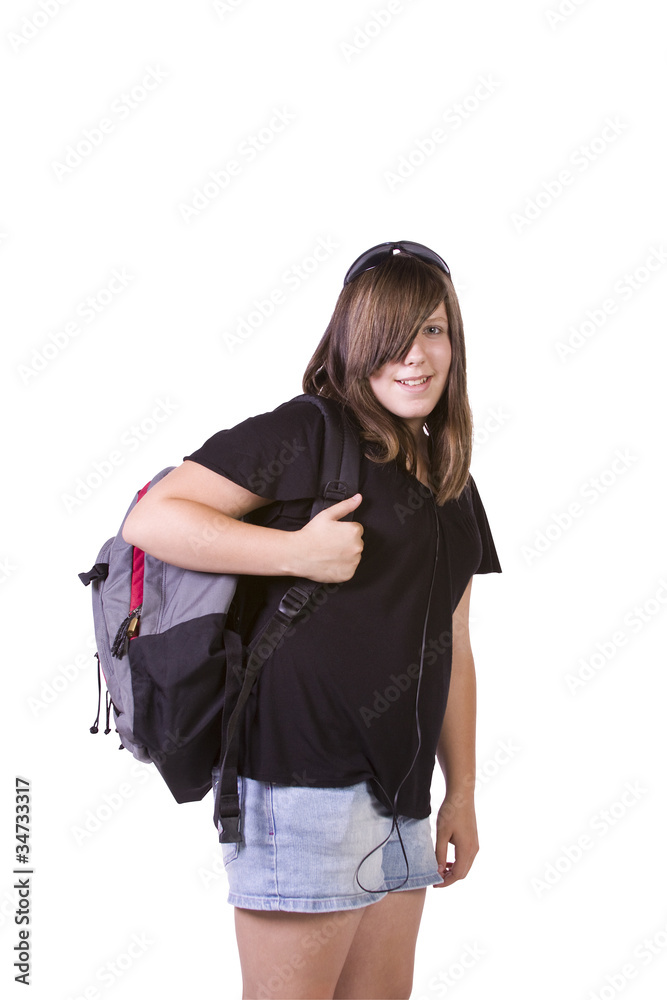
191 519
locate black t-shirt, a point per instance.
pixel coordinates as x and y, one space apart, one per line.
336 703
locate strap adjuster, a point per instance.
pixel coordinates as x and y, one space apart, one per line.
293 602
336 489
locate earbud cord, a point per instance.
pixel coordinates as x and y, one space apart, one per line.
419 734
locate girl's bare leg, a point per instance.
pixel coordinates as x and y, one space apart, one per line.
285 956
362 953
380 962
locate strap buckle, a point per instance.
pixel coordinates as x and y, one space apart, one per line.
228 830
228 819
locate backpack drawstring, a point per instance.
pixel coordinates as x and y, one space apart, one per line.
109 704
108 701
95 726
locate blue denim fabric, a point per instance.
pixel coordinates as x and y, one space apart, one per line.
302 846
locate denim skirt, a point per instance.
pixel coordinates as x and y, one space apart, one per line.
310 849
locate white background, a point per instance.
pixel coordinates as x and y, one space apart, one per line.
520 95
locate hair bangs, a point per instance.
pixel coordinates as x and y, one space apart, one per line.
393 300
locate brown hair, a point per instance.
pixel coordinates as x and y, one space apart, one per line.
375 320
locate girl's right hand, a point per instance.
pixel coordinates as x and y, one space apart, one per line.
327 549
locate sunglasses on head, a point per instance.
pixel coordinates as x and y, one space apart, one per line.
377 255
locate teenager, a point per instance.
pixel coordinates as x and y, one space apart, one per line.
350 713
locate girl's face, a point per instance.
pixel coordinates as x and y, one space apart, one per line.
411 387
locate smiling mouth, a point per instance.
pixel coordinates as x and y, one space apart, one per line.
414 381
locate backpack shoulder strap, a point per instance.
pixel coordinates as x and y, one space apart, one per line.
339 479
341 456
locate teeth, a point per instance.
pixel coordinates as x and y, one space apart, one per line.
413 381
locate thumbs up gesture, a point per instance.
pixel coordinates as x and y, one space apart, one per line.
327 549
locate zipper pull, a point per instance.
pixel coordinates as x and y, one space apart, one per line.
133 627
123 635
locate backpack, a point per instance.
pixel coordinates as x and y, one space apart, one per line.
176 670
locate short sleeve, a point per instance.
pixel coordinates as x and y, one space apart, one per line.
274 455
490 562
